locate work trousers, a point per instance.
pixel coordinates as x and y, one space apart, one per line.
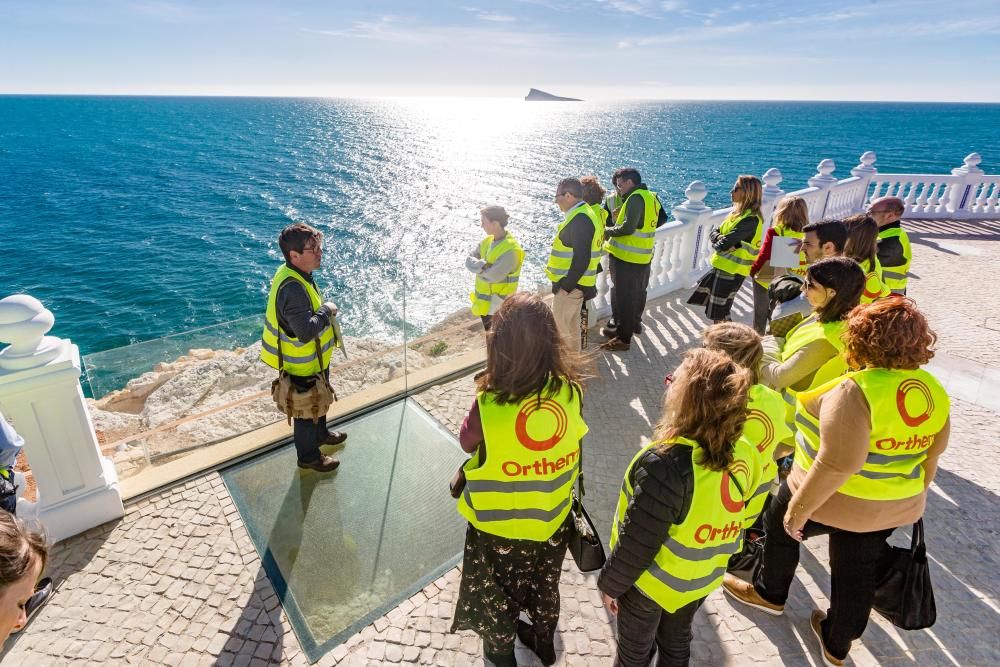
566 310
854 561
628 295
761 307
644 625
306 433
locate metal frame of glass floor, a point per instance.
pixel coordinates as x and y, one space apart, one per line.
342 549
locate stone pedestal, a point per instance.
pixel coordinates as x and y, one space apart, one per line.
40 394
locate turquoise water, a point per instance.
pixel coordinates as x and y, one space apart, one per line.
134 218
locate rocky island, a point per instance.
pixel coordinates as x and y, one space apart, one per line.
535 95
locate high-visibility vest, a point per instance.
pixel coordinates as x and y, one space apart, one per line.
522 491
693 558
298 356
908 410
613 202
601 213
809 331
637 247
875 287
800 270
739 259
765 428
483 293
561 255
895 277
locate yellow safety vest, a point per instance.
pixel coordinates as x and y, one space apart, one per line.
299 357
809 331
561 255
738 260
483 292
601 213
637 247
764 430
692 560
895 277
522 491
800 270
908 410
875 287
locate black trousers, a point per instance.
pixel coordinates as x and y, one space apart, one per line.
761 307
642 624
854 561
628 295
306 433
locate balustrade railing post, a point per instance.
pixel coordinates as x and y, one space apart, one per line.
695 215
865 171
772 195
40 393
824 180
960 194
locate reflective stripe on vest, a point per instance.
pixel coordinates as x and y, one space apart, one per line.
297 357
482 295
809 331
895 277
692 559
764 429
739 259
875 287
908 410
522 490
561 255
638 246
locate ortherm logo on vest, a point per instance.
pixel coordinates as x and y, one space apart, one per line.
539 426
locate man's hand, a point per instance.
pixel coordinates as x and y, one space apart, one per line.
331 308
610 604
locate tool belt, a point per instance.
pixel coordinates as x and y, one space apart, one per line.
294 402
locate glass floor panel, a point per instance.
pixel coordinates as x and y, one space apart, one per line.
344 548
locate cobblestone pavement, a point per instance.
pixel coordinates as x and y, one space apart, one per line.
177 581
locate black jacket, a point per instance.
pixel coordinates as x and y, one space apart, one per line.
663 486
578 234
890 250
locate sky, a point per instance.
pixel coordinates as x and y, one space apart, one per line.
920 50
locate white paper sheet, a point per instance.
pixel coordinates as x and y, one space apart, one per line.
784 252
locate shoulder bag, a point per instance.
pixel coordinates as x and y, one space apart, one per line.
903 593
584 543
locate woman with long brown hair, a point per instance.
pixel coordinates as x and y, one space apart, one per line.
681 511
735 244
22 558
866 452
524 431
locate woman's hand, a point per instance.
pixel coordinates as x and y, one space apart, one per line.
610 604
794 524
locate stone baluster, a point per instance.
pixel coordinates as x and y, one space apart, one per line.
696 217
960 194
772 195
866 172
823 180
40 394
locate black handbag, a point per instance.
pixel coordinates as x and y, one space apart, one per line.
584 543
903 593
744 563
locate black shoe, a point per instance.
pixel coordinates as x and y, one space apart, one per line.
545 652
323 464
335 438
609 332
43 591
501 659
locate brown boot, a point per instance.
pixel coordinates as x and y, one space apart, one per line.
743 591
323 464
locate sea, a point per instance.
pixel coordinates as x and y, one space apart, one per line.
134 218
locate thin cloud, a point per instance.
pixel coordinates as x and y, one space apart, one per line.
495 18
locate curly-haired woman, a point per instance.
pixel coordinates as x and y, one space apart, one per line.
867 449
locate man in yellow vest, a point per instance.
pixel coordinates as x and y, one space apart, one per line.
630 248
894 253
573 260
299 338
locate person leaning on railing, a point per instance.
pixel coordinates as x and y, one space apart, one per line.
867 449
496 263
734 247
862 247
524 431
894 250
812 352
681 511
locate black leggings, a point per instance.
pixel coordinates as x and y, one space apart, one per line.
644 626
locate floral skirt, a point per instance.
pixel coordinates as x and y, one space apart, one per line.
501 578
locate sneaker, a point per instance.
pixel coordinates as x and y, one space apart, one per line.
335 438
609 331
323 464
815 620
42 594
546 653
616 345
743 591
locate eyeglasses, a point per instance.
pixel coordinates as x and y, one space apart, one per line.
668 380
315 250
560 194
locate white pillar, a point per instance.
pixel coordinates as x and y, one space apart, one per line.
40 394
866 172
960 194
824 180
772 195
696 217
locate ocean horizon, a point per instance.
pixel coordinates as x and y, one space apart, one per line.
136 217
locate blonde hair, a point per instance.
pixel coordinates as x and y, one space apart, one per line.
496 214
747 195
792 214
706 403
739 341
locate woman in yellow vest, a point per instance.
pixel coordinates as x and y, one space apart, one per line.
812 351
593 194
734 244
524 431
862 247
496 263
791 216
765 429
681 511
867 449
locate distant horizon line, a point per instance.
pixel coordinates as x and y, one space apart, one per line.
485 97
